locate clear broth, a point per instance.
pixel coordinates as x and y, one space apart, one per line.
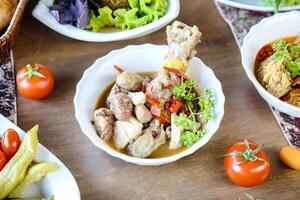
160 152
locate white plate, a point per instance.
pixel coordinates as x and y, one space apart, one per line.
41 12
255 5
61 183
136 58
267 30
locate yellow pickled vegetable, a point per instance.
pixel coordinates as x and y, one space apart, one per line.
176 64
291 157
15 170
34 174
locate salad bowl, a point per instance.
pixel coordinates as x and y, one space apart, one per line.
268 30
41 13
140 58
61 183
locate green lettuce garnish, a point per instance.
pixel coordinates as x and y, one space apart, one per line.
141 12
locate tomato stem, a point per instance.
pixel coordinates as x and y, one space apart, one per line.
33 72
248 154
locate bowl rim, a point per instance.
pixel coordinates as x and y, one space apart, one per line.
41 13
145 161
250 71
260 8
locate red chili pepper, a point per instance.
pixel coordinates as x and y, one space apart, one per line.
154 134
153 101
175 106
176 72
164 117
118 68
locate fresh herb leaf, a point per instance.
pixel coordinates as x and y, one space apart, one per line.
280 45
276 5
193 129
189 138
206 104
295 50
184 89
191 83
293 67
288 52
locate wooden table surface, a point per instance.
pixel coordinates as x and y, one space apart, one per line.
199 176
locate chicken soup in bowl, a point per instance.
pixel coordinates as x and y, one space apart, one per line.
149 110
270 57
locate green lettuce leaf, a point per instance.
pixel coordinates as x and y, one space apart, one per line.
141 12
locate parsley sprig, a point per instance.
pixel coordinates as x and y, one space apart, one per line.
290 53
193 131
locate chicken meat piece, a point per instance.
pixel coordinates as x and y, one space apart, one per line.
274 77
137 97
121 106
114 91
126 131
129 81
176 132
293 97
182 41
142 113
104 123
149 141
157 87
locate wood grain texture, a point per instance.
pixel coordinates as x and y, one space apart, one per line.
199 176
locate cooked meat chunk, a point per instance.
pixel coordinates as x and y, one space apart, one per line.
129 81
149 141
157 87
104 123
293 97
137 97
182 41
142 113
114 91
274 77
176 132
126 131
121 106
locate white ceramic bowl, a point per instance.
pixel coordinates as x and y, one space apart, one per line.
256 5
266 31
61 183
41 12
145 57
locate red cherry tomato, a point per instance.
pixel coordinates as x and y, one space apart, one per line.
253 171
35 81
10 142
3 160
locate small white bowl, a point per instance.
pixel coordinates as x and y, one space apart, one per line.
41 12
266 31
61 183
137 58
